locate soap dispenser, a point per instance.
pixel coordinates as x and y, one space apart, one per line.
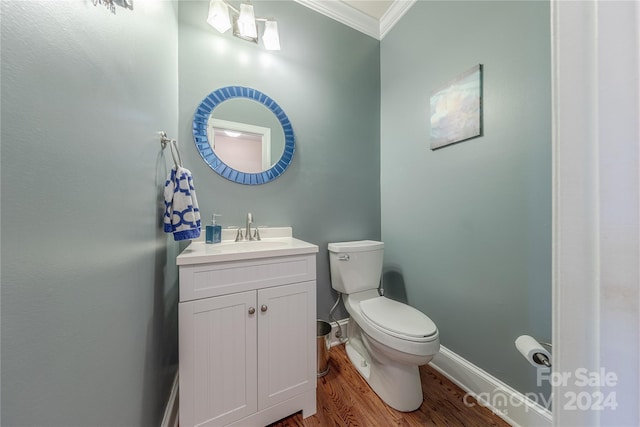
213 231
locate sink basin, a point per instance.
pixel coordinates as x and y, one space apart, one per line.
284 245
251 245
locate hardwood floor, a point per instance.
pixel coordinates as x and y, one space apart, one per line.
345 399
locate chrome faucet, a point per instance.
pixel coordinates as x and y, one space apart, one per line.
243 237
247 233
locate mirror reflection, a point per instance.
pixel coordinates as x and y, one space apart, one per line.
242 150
246 135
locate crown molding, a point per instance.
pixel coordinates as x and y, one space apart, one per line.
360 21
391 17
345 14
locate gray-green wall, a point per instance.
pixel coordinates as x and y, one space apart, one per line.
327 80
88 278
467 228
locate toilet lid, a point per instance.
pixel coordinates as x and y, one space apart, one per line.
397 318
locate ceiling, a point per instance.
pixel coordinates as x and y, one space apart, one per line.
372 17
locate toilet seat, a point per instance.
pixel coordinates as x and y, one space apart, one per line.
398 320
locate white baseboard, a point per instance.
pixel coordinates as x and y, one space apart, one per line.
509 404
170 417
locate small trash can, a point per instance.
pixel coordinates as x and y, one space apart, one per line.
323 343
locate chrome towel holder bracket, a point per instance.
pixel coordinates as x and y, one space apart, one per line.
173 145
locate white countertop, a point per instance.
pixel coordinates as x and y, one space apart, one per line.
275 242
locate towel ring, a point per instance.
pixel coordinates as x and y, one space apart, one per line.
178 161
173 145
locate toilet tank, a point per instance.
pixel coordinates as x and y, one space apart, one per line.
355 266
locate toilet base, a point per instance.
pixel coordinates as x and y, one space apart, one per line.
358 361
396 384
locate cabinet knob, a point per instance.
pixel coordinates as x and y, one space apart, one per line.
263 308
252 310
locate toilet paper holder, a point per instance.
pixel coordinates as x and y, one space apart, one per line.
534 351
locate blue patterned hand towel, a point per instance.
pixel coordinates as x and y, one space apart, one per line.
181 214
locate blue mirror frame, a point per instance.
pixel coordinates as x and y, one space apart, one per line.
201 139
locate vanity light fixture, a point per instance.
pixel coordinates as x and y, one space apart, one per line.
111 4
245 23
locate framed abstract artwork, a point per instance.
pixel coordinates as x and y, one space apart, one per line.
456 109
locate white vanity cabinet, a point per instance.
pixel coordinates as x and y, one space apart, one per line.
247 339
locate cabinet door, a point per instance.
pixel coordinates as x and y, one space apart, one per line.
218 359
286 342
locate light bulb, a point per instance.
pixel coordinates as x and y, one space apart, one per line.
219 15
232 134
247 22
270 38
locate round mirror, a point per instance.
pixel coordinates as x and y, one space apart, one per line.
243 135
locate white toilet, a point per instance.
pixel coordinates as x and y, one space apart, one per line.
388 340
